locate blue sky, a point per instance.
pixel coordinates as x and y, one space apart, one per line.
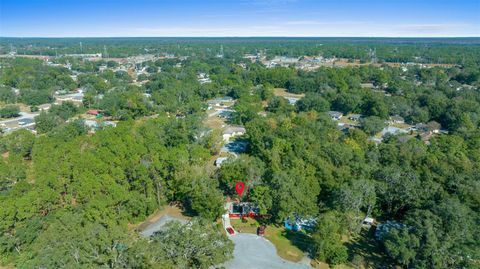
106 18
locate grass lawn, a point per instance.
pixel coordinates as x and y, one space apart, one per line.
365 246
214 122
400 125
250 226
346 120
284 241
283 92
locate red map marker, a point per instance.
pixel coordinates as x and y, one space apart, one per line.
240 187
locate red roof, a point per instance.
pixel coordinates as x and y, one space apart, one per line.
93 112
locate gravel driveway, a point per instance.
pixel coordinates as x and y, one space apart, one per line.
159 224
255 252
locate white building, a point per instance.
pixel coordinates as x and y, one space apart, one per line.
233 131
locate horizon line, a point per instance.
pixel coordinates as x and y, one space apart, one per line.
240 36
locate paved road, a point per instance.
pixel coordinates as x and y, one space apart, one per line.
23 115
255 252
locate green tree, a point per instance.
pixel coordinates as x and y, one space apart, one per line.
261 196
10 111
372 125
327 240
46 122
19 142
186 246
313 101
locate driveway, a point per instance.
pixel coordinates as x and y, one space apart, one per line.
235 147
159 225
255 252
23 115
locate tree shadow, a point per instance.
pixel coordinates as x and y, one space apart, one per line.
301 240
364 245
185 208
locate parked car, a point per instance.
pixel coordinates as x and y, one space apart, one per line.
230 230
261 230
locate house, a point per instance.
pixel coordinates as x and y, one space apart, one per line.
421 128
355 117
232 131
74 97
61 92
219 102
109 123
203 78
335 115
345 127
367 222
396 119
270 65
226 99
93 112
292 100
393 130
213 103
91 124
432 127
296 224
243 209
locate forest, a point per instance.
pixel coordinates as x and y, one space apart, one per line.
68 197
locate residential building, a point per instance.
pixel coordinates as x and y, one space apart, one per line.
335 115
396 119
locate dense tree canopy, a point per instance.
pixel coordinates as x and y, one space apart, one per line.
69 196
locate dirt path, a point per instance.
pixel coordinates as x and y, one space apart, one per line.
171 210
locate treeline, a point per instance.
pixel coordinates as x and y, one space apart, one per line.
448 50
